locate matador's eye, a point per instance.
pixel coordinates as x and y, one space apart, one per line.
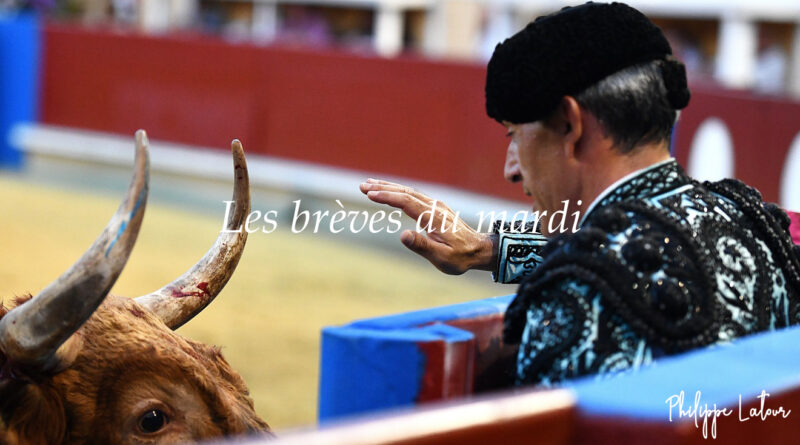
152 421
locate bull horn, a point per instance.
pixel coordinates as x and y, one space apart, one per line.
32 333
179 301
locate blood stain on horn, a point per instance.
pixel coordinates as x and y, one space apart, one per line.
180 293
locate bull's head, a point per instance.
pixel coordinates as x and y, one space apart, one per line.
79 367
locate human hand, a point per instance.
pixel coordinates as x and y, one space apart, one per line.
453 250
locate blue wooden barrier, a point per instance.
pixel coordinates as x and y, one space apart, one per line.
19 78
389 362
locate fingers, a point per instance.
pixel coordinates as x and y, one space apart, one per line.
417 243
381 181
374 184
367 187
427 214
378 185
410 205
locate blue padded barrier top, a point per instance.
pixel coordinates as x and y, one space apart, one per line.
767 361
470 309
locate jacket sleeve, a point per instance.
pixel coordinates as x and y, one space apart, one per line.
518 250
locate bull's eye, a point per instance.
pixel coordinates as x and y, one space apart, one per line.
152 421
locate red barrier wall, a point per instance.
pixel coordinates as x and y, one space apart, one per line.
404 116
761 128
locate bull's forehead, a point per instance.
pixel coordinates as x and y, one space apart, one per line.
126 316
121 326
122 330
122 338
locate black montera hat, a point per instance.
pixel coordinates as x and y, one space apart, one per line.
568 51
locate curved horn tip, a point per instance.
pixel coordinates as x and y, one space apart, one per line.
141 137
238 155
215 269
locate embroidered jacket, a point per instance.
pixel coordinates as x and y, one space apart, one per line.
661 265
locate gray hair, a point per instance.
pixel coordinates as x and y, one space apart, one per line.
632 106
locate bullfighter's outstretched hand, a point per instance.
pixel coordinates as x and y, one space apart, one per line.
454 250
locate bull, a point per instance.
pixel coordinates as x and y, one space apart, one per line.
78 366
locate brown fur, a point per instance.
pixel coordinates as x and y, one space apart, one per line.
122 359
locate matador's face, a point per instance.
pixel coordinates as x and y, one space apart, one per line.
536 158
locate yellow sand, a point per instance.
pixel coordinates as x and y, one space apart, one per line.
268 319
